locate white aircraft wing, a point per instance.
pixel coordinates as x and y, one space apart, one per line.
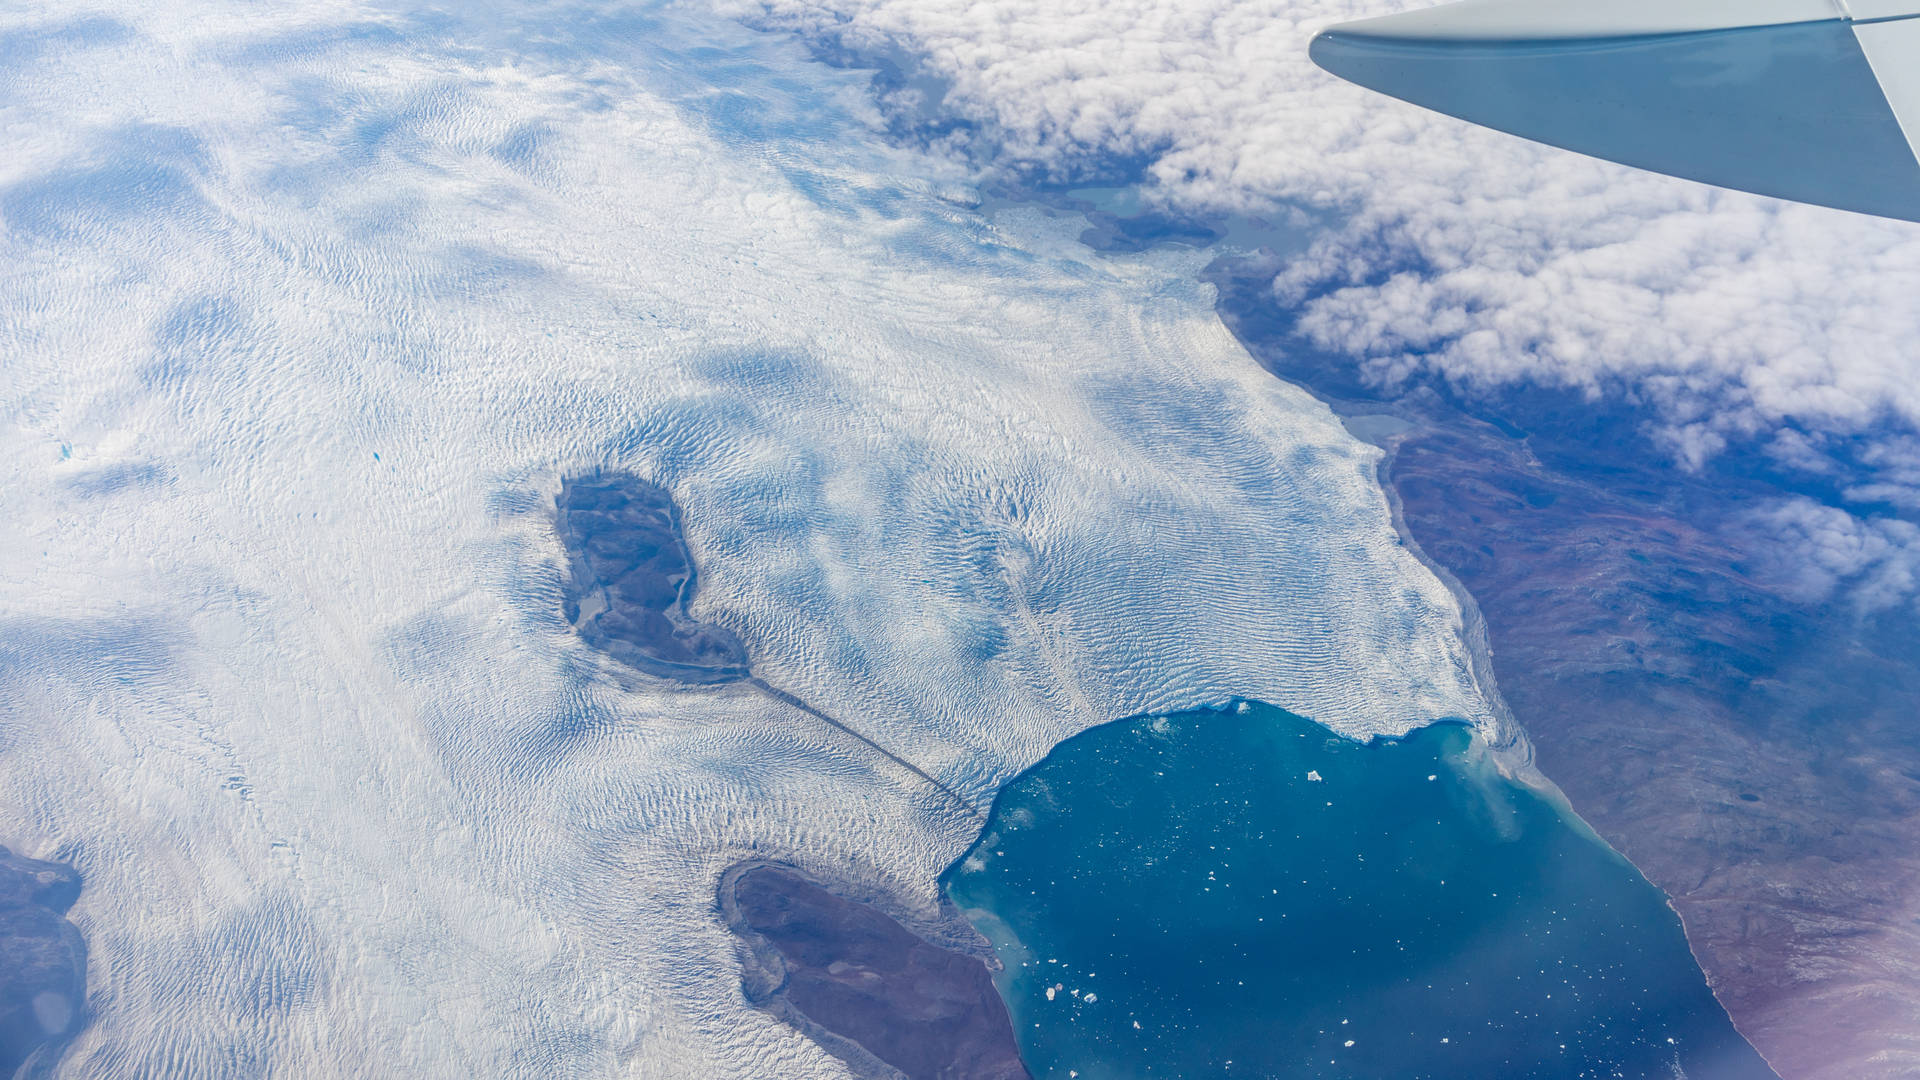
1812 100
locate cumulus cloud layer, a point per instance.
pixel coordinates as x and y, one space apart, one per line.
306 311
1814 551
1428 246
1444 246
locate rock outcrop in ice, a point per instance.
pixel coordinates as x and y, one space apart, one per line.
630 581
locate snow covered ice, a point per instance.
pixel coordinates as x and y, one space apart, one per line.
306 312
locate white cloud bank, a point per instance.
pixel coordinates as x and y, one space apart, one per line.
1503 261
1438 247
305 310
1814 551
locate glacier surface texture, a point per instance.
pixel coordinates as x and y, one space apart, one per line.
306 314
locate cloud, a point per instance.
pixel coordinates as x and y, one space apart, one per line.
1896 465
1814 552
1441 247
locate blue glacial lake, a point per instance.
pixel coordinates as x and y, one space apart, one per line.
1246 894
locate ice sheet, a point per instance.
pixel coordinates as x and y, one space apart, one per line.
305 312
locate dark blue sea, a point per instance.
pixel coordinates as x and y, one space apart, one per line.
1246 894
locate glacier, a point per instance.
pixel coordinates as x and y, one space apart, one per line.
305 315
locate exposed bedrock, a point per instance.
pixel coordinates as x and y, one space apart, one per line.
1756 757
872 992
631 579
880 997
43 963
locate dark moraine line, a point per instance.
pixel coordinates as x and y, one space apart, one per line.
43 964
630 582
878 996
782 695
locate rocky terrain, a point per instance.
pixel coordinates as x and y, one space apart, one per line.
885 1000
43 963
1753 753
632 578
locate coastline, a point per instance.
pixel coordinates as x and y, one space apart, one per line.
1476 775
1676 696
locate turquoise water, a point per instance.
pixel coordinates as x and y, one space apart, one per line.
1245 894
